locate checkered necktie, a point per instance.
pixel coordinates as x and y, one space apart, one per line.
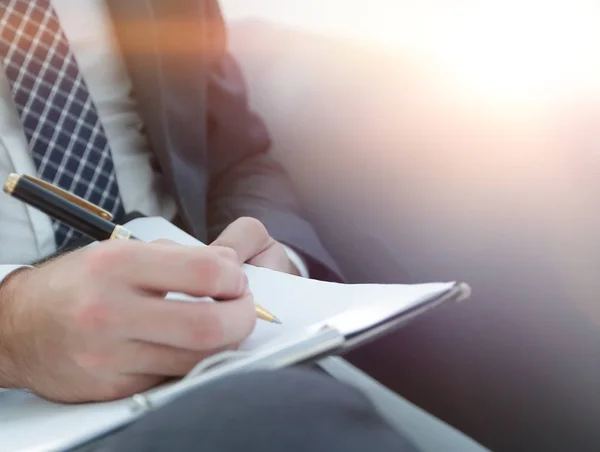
66 139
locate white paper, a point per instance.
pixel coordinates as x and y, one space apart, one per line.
31 424
299 303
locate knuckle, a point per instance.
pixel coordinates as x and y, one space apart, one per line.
93 314
215 275
231 280
254 227
226 253
205 330
102 258
209 271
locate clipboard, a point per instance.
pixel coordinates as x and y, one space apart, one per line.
28 423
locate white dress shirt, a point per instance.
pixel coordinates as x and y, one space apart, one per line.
26 234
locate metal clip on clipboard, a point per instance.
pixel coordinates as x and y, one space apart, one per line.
338 334
308 346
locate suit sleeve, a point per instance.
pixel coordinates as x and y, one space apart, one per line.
244 178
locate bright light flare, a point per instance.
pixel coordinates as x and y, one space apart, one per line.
525 51
516 52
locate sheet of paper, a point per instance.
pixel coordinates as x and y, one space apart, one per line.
296 301
31 424
300 303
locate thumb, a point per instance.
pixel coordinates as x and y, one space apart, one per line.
247 236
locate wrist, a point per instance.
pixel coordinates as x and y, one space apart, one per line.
9 289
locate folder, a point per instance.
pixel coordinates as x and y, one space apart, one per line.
320 319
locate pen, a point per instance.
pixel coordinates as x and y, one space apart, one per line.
79 214
75 212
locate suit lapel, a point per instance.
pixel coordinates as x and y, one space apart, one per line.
161 42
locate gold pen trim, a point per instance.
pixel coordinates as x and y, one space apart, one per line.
11 183
120 233
13 180
263 314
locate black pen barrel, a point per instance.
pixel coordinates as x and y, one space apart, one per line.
71 214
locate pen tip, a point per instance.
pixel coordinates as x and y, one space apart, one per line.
277 321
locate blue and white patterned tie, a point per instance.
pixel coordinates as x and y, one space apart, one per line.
65 135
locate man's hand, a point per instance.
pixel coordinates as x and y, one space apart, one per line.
93 325
253 245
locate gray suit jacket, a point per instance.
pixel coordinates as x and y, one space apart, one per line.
211 148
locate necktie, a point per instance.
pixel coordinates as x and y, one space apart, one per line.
66 138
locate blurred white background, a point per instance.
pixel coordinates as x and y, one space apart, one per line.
474 104
453 139
511 47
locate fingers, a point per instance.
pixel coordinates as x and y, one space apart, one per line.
166 242
200 327
275 258
143 358
247 236
118 388
159 268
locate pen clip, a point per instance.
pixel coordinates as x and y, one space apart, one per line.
92 208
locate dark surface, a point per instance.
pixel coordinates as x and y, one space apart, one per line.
290 410
516 367
511 209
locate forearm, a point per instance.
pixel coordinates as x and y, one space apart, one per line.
9 276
